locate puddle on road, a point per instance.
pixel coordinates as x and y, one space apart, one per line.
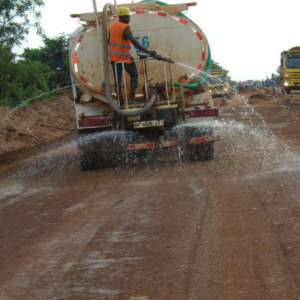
18 192
247 146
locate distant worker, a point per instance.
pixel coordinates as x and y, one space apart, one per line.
120 39
240 85
234 89
262 83
273 82
59 60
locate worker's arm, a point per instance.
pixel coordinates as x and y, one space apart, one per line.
139 46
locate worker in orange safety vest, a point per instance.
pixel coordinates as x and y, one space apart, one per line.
120 40
240 85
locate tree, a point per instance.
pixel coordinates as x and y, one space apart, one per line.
216 66
31 78
46 55
277 77
27 79
15 20
15 23
7 59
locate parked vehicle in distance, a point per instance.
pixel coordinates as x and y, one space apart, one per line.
250 83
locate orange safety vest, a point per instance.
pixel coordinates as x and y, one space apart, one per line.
119 50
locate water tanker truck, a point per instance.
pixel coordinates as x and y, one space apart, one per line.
168 103
290 70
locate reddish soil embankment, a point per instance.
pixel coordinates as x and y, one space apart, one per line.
26 131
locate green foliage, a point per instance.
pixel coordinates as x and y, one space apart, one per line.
31 79
15 20
277 77
24 78
28 79
44 97
46 54
216 66
7 59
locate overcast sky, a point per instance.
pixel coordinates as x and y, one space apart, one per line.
245 37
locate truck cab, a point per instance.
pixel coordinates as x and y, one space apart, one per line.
217 83
290 70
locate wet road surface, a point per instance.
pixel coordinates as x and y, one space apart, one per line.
224 229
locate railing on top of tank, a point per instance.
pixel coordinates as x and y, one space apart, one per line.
144 64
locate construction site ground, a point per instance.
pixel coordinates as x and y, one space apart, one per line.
157 229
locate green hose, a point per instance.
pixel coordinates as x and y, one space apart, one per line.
186 85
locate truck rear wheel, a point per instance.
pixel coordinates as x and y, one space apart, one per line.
186 153
92 153
205 151
86 160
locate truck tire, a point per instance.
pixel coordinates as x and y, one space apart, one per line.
86 160
205 151
186 153
98 159
286 91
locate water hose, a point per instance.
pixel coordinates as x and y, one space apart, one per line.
186 85
106 73
182 94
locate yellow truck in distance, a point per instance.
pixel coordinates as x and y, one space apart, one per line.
217 83
290 70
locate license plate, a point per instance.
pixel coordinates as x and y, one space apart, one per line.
151 123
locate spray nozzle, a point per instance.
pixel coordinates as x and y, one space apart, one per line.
157 57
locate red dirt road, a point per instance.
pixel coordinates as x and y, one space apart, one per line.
224 229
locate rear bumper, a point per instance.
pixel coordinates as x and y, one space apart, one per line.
116 143
173 143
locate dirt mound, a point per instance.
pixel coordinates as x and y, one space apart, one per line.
245 90
292 103
257 96
261 98
25 130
